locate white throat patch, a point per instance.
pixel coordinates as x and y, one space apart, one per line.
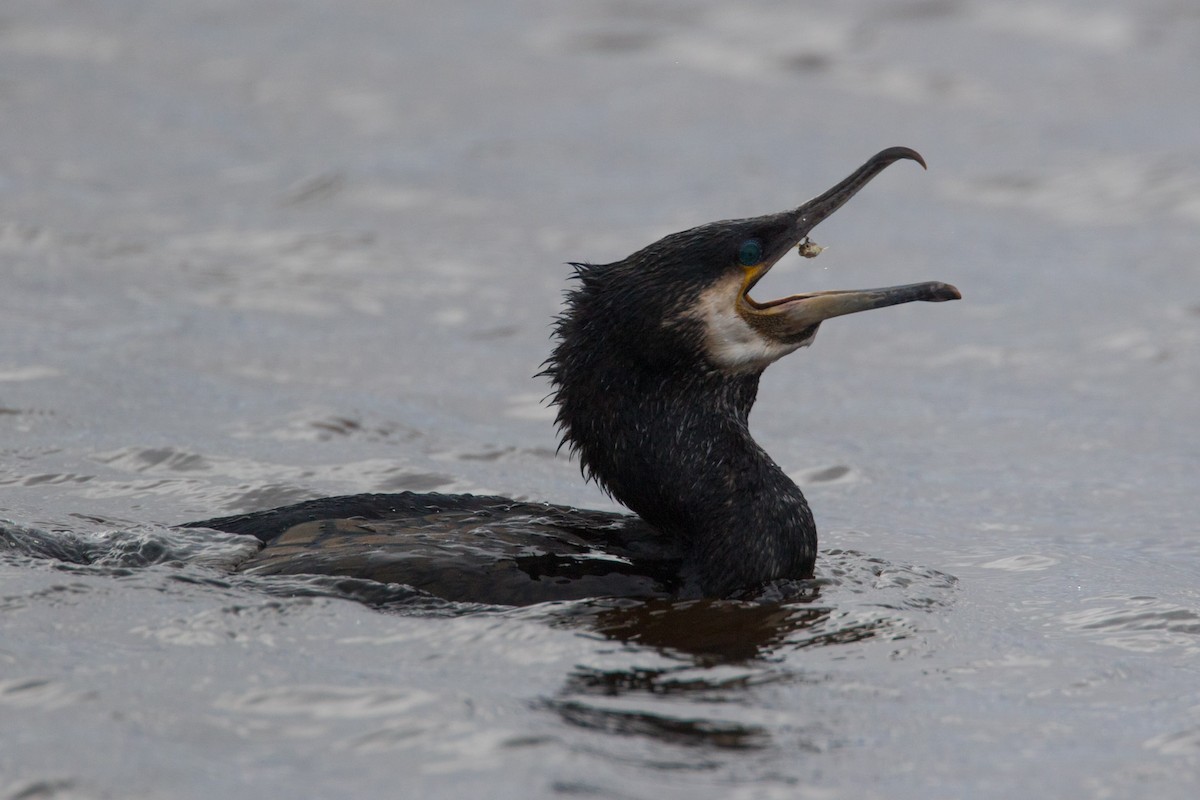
732 343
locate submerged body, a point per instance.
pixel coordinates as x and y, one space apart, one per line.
465 548
655 370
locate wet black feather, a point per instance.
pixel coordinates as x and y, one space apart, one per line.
663 430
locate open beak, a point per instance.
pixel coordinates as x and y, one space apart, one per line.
796 317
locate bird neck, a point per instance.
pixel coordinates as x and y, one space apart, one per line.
676 449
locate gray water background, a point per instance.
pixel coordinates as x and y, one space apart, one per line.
253 252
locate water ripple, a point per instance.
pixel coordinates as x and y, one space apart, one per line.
1139 624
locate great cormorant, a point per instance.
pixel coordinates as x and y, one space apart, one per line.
654 371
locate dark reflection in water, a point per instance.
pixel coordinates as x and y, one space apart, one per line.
727 648
669 730
724 648
708 631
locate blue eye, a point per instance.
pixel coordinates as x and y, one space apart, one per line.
750 253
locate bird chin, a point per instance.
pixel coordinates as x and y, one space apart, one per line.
740 338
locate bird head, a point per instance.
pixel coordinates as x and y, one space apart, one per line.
685 299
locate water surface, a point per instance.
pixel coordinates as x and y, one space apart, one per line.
254 253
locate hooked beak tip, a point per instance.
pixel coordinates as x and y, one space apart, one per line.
944 292
897 153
